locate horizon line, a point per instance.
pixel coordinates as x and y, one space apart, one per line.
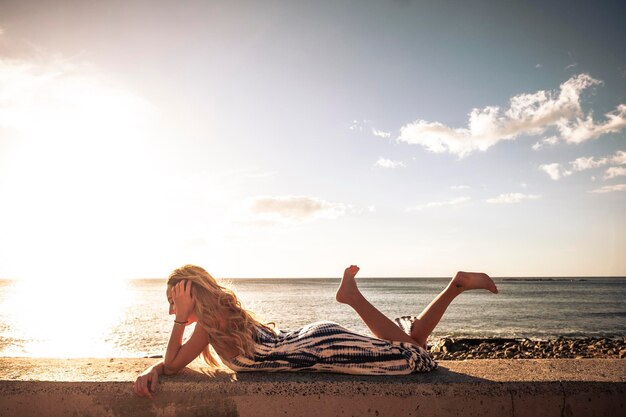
372 277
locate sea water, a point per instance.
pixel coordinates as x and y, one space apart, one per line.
132 320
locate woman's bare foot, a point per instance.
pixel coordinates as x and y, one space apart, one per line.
464 281
348 290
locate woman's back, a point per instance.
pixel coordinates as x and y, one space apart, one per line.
326 346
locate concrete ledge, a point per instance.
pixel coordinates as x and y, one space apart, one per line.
102 387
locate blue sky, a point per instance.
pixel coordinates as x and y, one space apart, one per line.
280 139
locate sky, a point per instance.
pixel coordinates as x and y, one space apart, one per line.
292 138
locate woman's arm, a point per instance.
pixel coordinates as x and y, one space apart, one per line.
146 383
178 355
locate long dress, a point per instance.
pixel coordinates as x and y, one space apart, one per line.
326 346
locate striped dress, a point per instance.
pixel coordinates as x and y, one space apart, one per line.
325 346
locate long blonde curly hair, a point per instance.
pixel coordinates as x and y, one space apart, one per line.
220 313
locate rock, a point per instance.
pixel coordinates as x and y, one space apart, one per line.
459 349
448 345
439 347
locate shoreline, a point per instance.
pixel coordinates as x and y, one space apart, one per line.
450 348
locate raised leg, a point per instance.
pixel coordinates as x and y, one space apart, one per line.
380 325
430 317
383 328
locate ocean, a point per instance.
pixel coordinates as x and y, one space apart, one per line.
130 318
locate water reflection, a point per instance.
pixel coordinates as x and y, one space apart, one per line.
46 319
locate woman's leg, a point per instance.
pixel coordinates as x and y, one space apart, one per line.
383 328
430 317
378 323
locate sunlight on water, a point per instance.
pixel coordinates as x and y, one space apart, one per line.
104 318
71 320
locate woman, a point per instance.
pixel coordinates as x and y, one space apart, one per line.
245 344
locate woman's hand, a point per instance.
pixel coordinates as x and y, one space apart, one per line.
183 300
146 383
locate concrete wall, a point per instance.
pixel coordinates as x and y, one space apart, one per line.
102 387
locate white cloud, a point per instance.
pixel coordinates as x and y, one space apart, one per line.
388 163
523 185
452 202
555 171
511 198
584 163
584 128
610 188
528 114
359 125
538 66
381 133
572 65
550 141
294 208
356 126
460 187
614 172
619 158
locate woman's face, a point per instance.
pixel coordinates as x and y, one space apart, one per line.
192 316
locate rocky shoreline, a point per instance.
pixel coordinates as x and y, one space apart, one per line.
561 348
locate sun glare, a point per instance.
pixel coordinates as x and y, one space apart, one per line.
72 198
81 193
56 318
